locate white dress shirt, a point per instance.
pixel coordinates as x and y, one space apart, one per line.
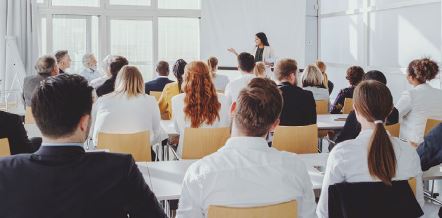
235 86
180 121
415 106
246 173
347 162
117 113
220 81
90 74
318 93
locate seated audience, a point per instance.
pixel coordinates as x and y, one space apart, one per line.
162 80
352 127
246 65
299 107
95 83
246 171
13 129
128 109
199 106
430 150
171 89
421 102
260 69
46 66
327 83
90 71
354 77
374 155
61 179
115 66
220 81
63 60
312 81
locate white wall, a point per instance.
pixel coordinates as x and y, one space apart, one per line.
379 34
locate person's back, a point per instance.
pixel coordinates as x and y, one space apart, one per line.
319 93
158 84
220 81
312 80
246 64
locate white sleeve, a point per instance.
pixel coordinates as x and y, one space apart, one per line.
332 176
228 93
271 57
92 133
176 113
404 104
158 133
307 207
419 183
190 205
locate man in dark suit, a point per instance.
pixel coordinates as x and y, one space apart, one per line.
115 66
60 179
12 128
163 78
299 107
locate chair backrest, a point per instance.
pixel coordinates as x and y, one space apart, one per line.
137 144
348 106
282 210
4 147
155 94
431 123
394 129
296 139
412 183
199 142
29 118
322 107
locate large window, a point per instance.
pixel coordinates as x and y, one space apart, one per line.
144 31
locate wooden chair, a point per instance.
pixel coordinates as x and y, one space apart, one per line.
394 129
137 144
29 118
348 106
412 183
431 123
155 94
296 139
199 142
283 210
4 147
322 107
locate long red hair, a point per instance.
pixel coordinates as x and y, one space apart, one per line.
201 103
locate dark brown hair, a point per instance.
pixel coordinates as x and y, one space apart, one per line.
212 62
116 64
423 69
258 107
355 75
373 101
178 71
163 68
284 68
246 62
60 55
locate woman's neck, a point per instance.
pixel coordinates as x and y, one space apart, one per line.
261 46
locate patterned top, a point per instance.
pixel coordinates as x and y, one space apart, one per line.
339 101
258 55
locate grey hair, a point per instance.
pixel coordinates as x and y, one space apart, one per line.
86 58
45 64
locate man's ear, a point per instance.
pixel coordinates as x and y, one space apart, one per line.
233 108
84 122
274 125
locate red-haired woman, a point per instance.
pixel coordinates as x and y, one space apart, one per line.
199 106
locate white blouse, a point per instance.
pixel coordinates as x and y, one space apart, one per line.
415 106
181 122
117 113
220 82
318 93
347 162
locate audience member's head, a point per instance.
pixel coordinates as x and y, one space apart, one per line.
89 61
375 75
354 75
260 69
116 64
201 103
422 70
178 71
261 39
212 62
373 103
106 65
246 62
46 65
321 65
312 76
63 59
129 81
257 109
163 68
286 70
60 115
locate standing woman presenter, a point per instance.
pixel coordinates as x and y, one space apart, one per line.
262 50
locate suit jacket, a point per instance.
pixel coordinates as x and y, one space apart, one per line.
157 84
64 181
330 87
107 87
12 128
30 83
299 107
430 151
352 127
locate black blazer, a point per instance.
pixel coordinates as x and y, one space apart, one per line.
11 127
430 150
352 127
330 87
107 87
64 181
299 107
156 85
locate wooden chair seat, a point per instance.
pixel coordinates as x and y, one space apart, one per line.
4 147
199 142
137 144
296 139
282 210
